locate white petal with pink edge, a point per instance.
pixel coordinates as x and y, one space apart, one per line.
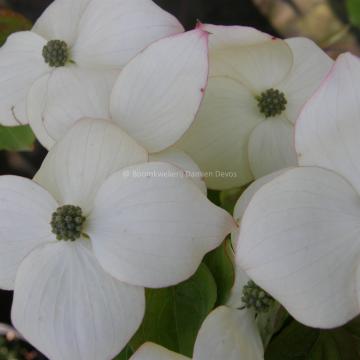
328 129
299 240
311 65
159 92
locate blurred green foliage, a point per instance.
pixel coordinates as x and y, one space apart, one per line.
353 8
10 22
18 138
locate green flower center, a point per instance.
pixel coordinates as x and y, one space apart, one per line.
67 222
56 53
271 102
256 298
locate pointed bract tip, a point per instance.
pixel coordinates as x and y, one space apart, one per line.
199 24
202 27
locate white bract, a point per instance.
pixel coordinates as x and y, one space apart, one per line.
155 98
300 234
257 86
69 61
141 224
226 334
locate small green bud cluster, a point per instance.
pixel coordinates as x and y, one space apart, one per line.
256 298
56 53
271 102
67 222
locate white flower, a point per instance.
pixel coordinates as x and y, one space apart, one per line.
135 227
70 59
226 334
155 98
237 130
300 234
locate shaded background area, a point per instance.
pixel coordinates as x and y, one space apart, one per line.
324 21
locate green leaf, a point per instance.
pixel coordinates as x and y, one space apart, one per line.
174 315
10 22
299 342
221 264
353 8
17 138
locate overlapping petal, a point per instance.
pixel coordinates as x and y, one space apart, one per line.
112 32
271 147
310 67
228 334
57 100
91 151
60 20
69 308
151 227
327 132
257 60
218 139
184 162
243 63
245 199
299 240
151 351
21 63
241 278
223 37
25 214
225 334
159 92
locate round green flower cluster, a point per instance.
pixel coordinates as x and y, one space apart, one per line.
271 102
56 53
256 298
67 222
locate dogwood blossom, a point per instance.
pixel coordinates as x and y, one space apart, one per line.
155 99
97 225
69 61
299 236
225 334
257 87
